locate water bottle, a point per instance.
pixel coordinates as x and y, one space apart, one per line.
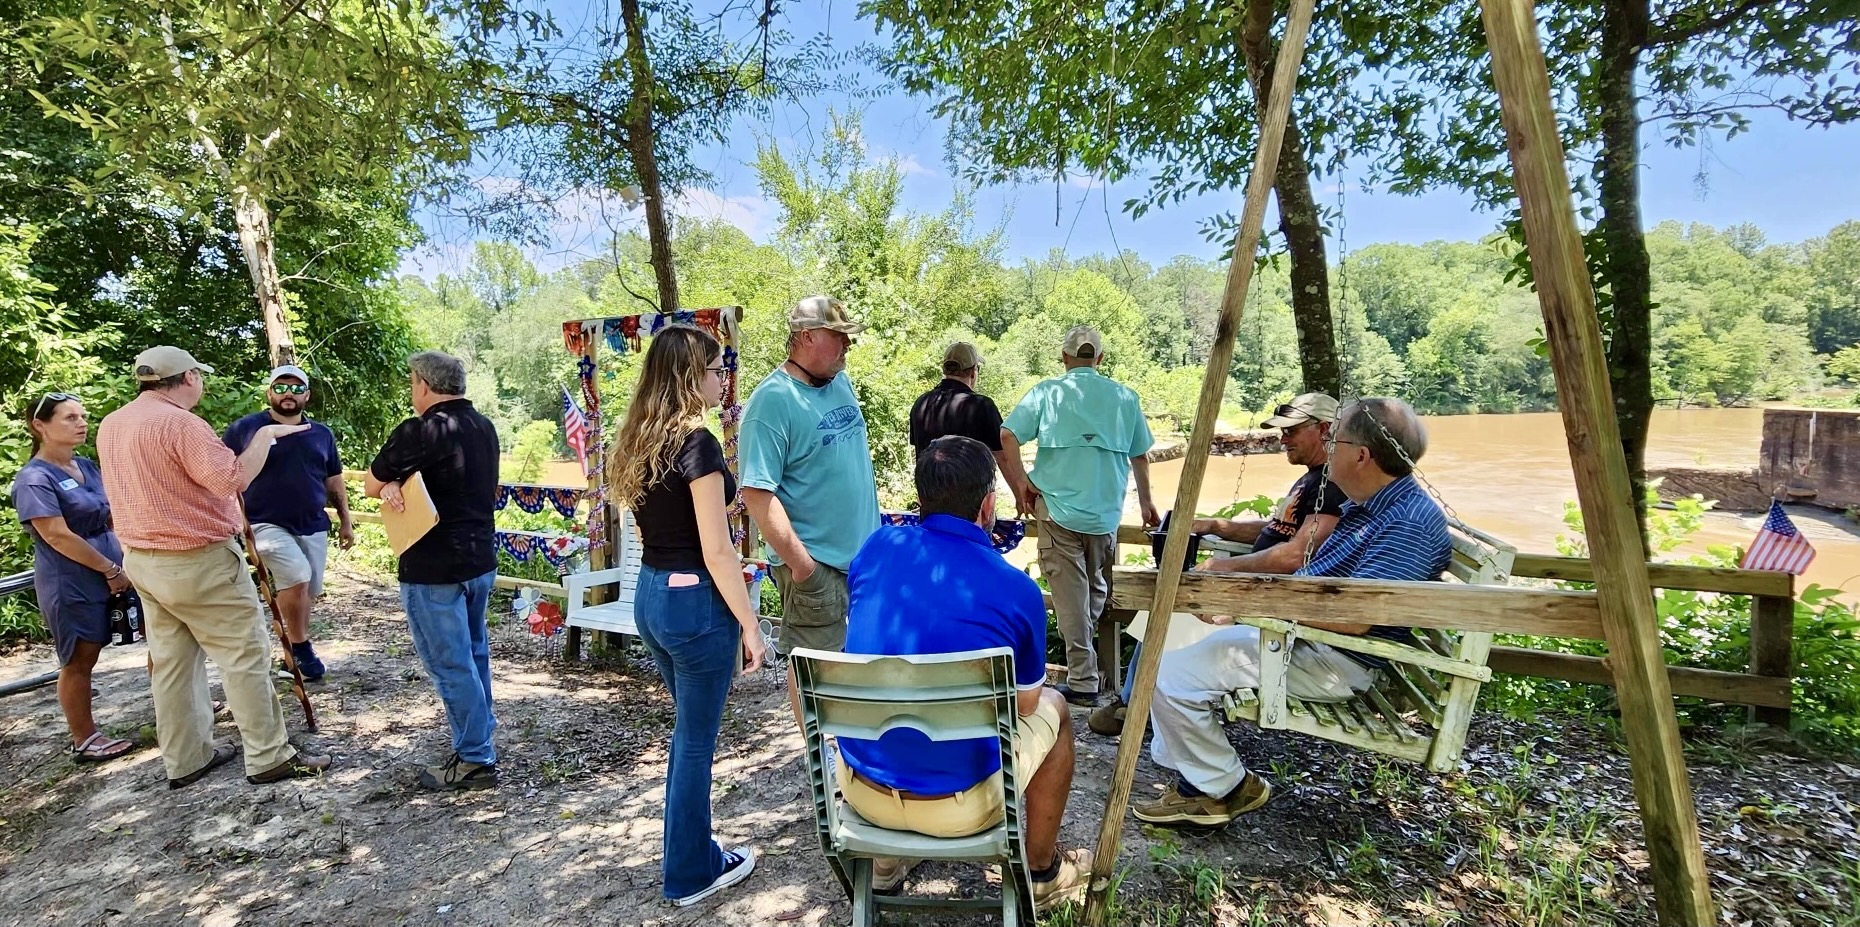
125 610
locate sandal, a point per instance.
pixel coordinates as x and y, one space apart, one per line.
100 748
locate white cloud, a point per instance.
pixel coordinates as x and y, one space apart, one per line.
582 223
910 166
755 215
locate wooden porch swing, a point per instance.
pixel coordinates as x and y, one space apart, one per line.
1421 706
1619 610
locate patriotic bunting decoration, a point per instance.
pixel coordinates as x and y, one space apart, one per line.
1007 534
533 499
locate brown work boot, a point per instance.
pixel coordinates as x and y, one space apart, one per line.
1175 808
1107 719
1074 874
298 766
222 754
888 874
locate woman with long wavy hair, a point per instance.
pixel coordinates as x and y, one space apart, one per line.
692 607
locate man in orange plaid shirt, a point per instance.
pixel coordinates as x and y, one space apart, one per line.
173 488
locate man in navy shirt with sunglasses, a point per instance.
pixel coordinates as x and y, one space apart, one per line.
285 505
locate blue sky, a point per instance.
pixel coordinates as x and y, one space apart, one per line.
1792 181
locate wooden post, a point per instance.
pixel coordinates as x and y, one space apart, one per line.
1772 645
1200 443
1682 892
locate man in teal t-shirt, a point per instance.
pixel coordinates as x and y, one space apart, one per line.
807 473
1092 437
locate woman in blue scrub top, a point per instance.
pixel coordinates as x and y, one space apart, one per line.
77 563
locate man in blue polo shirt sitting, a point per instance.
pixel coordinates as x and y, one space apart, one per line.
940 587
1390 529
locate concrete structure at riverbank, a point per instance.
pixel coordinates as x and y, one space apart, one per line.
1807 456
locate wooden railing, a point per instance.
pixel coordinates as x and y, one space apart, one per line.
1766 686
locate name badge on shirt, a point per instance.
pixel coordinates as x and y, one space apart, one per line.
67 483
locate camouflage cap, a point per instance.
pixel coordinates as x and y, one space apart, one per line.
822 312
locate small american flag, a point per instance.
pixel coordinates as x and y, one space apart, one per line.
1779 546
575 429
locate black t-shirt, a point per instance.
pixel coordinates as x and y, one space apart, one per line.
667 518
1311 495
455 449
951 408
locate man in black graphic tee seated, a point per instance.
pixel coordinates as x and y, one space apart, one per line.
1300 522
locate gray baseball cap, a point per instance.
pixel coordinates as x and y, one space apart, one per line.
1303 408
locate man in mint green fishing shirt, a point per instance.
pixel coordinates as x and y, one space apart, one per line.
1092 437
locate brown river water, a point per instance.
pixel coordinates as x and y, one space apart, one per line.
1509 475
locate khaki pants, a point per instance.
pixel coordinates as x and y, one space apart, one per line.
197 602
813 613
1077 568
1186 713
970 811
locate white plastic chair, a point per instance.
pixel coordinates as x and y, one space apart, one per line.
956 696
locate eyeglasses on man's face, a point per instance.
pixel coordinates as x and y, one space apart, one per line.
295 389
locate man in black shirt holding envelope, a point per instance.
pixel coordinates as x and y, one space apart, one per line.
446 575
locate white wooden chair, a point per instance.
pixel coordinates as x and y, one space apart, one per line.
1421 705
617 614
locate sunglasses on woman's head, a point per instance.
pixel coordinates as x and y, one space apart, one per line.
52 399
295 389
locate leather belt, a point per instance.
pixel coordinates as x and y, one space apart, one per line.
900 794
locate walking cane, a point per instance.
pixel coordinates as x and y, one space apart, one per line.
277 621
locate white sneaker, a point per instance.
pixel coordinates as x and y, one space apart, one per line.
737 865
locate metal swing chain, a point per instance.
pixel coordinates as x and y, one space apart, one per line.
1343 359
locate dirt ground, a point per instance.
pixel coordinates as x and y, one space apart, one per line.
1539 828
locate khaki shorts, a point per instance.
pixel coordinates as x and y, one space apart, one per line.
292 559
970 811
813 613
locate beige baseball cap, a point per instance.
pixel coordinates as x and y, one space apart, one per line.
1082 337
1303 408
164 361
822 312
961 356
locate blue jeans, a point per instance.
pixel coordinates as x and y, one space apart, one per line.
449 634
694 640
1130 673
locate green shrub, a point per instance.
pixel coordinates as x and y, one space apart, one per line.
1710 631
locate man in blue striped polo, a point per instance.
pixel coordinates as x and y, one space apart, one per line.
1390 529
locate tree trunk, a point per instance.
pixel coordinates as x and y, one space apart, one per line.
1298 218
1627 268
640 138
253 221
